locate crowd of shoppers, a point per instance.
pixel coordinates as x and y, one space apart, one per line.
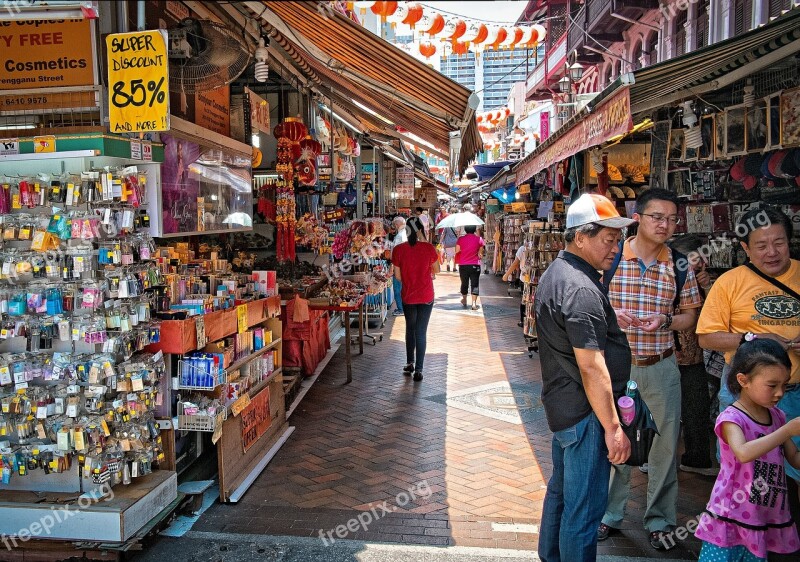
639 321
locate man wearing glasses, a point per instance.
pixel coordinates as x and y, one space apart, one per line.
642 291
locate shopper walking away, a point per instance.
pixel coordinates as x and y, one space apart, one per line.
426 222
518 263
399 225
470 248
644 291
449 239
747 515
586 363
415 263
751 301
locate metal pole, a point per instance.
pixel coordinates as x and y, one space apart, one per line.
140 19
333 151
359 185
376 190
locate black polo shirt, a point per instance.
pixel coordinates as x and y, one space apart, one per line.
573 311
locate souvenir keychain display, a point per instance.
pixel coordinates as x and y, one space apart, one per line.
77 288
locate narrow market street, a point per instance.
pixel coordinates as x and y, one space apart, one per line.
460 459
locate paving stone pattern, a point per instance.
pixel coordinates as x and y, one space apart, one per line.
473 431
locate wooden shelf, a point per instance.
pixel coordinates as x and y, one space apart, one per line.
257 388
245 360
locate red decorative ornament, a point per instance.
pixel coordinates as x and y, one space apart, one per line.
438 25
501 36
518 33
415 13
483 33
459 48
427 49
384 9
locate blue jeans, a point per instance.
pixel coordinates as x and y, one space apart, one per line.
396 287
417 318
576 494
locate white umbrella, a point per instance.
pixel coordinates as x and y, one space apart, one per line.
457 220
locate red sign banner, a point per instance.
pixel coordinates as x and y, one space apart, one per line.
609 119
256 419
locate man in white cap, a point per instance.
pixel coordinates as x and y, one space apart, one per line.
586 365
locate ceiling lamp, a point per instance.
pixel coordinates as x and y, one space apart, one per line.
693 136
261 70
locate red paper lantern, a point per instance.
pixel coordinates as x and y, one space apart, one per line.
518 33
427 49
483 33
292 128
501 36
459 48
384 9
459 29
415 13
507 111
438 25
479 118
310 147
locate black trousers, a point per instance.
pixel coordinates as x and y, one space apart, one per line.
695 406
470 276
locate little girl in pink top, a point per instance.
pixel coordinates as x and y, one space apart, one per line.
748 513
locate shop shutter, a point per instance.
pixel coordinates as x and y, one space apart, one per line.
680 34
743 14
702 26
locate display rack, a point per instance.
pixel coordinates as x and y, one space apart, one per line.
75 243
541 248
513 233
249 419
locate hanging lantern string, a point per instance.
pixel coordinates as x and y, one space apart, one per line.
491 22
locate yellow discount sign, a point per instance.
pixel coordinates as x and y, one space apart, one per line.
138 81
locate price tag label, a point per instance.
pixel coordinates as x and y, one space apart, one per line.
9 146
241 403
241 318
138 92
136 149
147 151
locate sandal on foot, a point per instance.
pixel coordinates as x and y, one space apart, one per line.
464 302
475 306
604 531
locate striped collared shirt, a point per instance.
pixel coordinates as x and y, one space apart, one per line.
644 290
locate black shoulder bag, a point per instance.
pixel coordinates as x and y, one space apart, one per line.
774 281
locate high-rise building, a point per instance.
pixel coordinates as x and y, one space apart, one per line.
493 75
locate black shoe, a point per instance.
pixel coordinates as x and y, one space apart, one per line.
603 531
408 369
662 540
417 376
520 324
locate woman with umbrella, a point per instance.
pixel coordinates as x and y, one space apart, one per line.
469 251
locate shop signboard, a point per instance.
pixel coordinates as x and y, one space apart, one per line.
138 81
36 54
9 146
259 112
405 183
544 126
610 118
256 419
212 110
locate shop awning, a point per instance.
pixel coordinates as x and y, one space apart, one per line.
606 116
717 65
359 68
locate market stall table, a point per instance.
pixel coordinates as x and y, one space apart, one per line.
358 306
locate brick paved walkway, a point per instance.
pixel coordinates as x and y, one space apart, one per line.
473 432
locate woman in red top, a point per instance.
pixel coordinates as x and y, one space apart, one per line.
415 263
469 249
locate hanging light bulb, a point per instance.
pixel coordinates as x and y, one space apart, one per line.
261 71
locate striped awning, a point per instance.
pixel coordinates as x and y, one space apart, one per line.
357 67
716 66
